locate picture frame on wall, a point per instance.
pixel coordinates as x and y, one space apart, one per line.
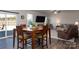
22 16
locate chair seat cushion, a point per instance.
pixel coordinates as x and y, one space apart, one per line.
40 36
25 36
20 36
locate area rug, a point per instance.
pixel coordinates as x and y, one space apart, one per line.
61 44
58 44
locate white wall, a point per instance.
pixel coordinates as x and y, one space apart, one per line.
24 12
65 17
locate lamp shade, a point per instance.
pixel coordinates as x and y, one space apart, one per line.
76 23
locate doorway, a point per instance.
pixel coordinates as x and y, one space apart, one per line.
7 24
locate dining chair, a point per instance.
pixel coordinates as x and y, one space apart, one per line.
23 25
21 37
43 36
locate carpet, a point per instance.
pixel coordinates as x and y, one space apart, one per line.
61 44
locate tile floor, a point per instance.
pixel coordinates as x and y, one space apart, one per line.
6 43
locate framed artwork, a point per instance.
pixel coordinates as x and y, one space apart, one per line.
22 16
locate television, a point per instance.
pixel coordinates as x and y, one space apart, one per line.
40 19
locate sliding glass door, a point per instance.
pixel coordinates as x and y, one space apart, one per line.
2 25
7 24
10 24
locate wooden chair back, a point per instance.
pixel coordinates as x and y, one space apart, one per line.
23 26
45 29
19 30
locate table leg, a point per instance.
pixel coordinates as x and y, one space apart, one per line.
23 42
33 40
46 40
49 35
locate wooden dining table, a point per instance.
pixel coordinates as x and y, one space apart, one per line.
33 32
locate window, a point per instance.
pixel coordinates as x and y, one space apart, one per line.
11 21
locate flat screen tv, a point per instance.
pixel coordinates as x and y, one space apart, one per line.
40 19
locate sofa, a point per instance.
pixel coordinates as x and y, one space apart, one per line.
71 31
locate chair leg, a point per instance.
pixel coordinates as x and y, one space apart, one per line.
13 42
26 43
42 40
39 41
23 44
76 41
17 43
46 40
49 35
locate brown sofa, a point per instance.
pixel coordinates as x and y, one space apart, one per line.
71 32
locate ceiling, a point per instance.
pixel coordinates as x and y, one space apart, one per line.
49 11
42 11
